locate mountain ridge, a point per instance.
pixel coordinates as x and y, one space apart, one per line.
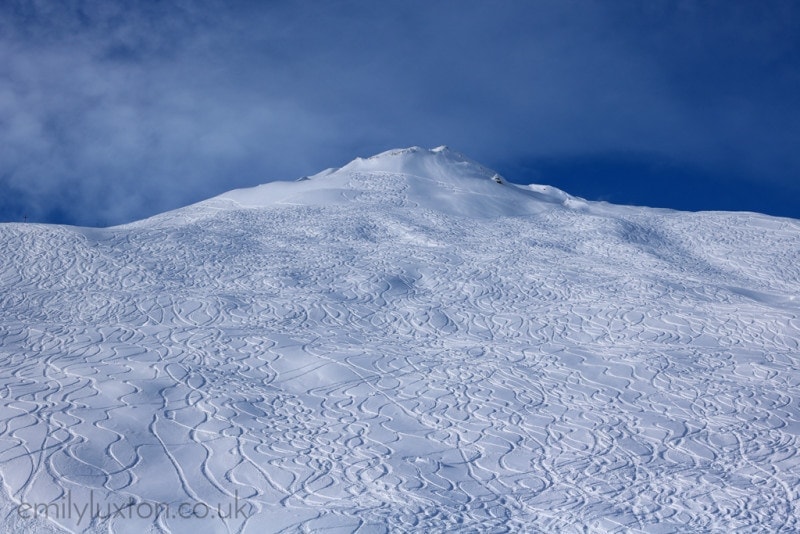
334 186
439 179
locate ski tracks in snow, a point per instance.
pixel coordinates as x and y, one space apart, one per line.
394 368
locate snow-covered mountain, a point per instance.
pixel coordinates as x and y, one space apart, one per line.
407 343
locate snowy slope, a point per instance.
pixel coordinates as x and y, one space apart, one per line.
402 344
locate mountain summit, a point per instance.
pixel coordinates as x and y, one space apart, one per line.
401 344
439 163
438 179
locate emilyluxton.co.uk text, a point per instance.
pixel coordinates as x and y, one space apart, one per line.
86 513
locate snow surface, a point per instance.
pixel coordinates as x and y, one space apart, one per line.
403 344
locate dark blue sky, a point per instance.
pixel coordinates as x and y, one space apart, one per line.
113 111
